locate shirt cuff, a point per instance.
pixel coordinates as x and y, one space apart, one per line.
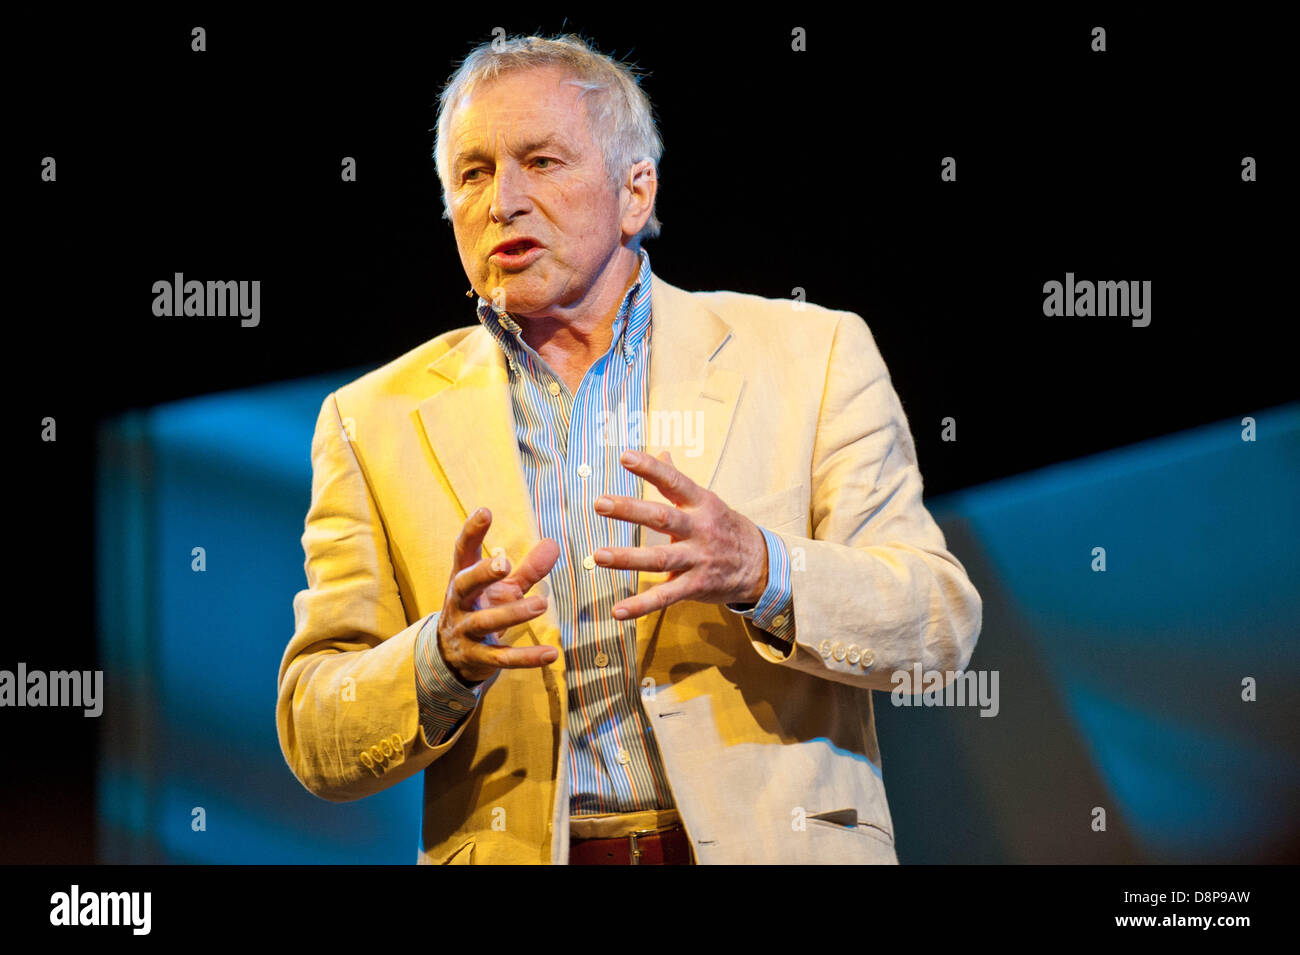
774 611
444 700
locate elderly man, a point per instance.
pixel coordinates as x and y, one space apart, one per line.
619 566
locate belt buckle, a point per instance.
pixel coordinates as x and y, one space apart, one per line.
633 848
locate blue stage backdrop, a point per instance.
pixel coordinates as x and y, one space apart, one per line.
1118 690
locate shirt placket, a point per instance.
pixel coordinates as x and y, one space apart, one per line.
599 642
599 649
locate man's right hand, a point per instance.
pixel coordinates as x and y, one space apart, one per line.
482 601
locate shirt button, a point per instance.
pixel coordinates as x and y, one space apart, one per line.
456 705
824 648
868 658
589 562
602 659
623 757
584 470
778 620
837 651
853 654
554 389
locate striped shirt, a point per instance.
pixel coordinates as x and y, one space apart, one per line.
571 456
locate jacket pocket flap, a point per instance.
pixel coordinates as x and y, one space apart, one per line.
841 817
775 510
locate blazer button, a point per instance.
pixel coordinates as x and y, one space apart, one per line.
853 654
837 651
824 648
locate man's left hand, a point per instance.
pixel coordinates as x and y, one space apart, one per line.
717 555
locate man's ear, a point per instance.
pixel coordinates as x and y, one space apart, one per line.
638 196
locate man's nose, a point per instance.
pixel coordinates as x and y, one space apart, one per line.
509 193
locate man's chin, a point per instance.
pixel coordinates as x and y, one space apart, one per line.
517 295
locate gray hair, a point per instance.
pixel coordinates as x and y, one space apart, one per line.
619 113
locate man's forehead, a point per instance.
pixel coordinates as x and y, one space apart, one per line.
539 101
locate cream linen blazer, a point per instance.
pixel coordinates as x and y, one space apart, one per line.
771 758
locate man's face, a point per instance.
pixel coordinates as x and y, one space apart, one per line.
524 166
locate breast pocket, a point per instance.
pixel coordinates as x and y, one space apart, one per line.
782 511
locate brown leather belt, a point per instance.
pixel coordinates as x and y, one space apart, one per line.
647 847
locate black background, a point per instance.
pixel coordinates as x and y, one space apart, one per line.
817 169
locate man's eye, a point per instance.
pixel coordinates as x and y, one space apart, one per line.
544 159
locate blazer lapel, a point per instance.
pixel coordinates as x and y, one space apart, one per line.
469 424
687 383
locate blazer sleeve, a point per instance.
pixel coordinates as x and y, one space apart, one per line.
875 586
347 714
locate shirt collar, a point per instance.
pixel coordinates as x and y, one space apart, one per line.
628 334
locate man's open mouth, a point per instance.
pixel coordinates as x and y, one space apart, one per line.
515 247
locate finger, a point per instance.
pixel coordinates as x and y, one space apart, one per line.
656 598
672 483
535 565
664 558
470 582
510 658
652 514
469 542
480 623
